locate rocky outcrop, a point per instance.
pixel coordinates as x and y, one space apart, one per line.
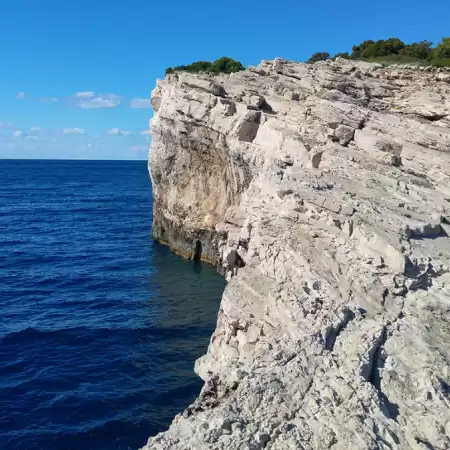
332 183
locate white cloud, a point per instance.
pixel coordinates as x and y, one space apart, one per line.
73 143
145 133
140 103
98 101
73 131
118 132
35 129
85 94
92 100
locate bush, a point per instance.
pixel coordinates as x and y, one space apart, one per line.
394 51
398 59
420 50
319 56
358 50
226 65
391 46
442 50
440 62
341 55
221 65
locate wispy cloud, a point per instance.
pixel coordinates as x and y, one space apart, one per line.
73 131
21 96
119 132
91 100
145 133
37 142
140 103
85 94
97 101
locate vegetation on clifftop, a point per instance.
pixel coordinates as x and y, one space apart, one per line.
221 65
393 50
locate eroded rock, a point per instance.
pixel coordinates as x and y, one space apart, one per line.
335 334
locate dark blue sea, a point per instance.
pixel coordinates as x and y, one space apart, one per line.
99 326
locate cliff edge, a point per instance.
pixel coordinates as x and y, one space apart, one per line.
332 183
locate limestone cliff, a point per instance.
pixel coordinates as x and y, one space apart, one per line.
332 182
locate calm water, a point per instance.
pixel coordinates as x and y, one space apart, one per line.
99 327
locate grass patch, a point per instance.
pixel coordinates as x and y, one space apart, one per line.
398 59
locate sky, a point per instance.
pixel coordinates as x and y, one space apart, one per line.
76 77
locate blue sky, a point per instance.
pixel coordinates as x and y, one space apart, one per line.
75 77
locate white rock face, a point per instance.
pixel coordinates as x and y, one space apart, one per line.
332 182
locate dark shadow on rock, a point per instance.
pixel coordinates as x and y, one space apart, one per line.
198 251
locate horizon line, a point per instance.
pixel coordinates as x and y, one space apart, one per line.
67 159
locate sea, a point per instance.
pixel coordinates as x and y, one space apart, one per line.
99 325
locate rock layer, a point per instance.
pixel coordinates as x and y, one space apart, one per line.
332 182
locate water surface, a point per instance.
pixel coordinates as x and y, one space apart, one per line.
99 326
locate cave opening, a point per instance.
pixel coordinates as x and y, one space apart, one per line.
198 251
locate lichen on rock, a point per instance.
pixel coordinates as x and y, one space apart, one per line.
332 182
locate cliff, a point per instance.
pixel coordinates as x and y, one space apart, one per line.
332 182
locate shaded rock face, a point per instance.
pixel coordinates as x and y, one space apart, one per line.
332 182
195 176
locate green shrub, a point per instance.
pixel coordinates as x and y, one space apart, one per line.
345 55
221 65
319 56
226 65
391 46
440 62
395 51
442 50
420 50
398 59
358 50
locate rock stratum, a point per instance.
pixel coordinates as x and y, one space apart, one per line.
332 182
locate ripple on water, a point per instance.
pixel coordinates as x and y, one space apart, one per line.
100 327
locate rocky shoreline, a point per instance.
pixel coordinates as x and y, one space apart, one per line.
332 182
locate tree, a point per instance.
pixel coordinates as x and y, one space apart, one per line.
226 65
319 56
440 56
442 50
371 49
420 50
357 50
388 47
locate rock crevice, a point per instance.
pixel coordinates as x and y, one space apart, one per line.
331 182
